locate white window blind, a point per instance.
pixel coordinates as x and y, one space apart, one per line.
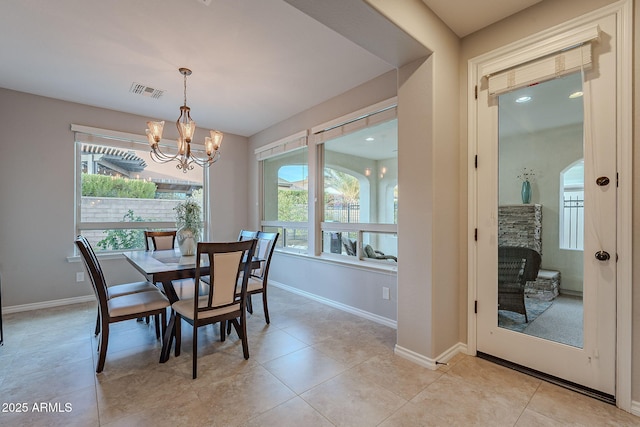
290 143
322 134
540 70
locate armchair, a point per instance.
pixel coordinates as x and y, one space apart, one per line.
516 266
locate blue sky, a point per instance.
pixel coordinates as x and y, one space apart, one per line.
293 173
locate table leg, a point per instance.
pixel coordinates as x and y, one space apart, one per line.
170 331
167 339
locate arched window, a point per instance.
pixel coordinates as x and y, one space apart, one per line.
572 206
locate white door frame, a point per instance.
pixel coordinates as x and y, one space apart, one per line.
512 53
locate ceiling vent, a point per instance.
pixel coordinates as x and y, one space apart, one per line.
143 90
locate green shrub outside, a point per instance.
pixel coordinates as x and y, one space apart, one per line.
108 186
124 239
292 205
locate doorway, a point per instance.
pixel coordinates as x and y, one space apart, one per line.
549 177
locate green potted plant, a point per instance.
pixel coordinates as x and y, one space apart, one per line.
189 225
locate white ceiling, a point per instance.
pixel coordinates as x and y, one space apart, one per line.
254 62
466 16
549 107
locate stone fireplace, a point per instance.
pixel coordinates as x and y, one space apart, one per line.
521 225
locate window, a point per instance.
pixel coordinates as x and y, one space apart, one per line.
360 184
572 206
120 191
285 192
342 195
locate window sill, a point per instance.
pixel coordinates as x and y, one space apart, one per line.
338 260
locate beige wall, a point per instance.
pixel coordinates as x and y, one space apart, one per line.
428 179
429 280
358 288
37 172
535 19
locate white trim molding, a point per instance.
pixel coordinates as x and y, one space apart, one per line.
48 304
427 362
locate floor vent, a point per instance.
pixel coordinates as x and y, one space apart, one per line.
143 90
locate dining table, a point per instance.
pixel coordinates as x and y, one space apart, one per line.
165 267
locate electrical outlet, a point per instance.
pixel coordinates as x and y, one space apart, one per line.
80 277
385 292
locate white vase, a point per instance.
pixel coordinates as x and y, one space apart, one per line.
187 241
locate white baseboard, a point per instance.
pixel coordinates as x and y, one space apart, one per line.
356 311
47 304
635 408
427 362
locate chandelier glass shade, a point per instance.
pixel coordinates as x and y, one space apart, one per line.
186 129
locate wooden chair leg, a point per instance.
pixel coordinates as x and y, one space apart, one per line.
156 320
249 304
102 347
223 329
178 335
97 331
264 305
245 342
195 351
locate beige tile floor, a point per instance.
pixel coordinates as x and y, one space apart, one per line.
313 366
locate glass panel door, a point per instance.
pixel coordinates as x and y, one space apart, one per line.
541 210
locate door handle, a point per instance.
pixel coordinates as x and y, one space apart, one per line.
602 181
602 256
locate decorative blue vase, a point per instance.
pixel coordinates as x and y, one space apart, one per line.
526 192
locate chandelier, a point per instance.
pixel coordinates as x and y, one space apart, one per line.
186 130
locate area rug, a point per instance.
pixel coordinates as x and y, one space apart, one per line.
515 321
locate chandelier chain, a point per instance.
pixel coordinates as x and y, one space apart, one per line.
185 89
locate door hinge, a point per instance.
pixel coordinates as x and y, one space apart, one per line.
475 306
475 161
617 180
476 91
475 234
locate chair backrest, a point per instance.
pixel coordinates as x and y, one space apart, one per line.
349 246
160 240
264 250
247 235
95 272
226 262
517 264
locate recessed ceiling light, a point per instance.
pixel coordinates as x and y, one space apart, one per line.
370 139
577 94
523 99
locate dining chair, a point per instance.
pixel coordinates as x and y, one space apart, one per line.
220 303
116 309
257 283
119 290
516 266
160 240
247 235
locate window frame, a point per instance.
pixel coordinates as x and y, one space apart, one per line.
315 224
122 140
561 211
